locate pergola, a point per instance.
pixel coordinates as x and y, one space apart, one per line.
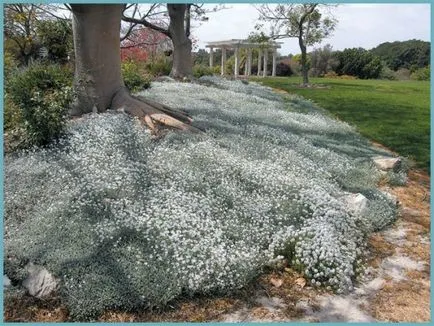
263 48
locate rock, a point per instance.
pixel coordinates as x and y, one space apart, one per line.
386 163
276 282
40 283
301 282
6 282
356 203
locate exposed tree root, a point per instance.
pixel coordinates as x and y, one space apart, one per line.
151 113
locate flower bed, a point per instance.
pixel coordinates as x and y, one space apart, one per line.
127 221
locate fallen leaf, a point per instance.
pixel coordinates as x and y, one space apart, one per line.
276 282
301 282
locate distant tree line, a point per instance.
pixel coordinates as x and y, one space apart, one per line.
390 60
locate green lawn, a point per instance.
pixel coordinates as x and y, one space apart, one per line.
393 113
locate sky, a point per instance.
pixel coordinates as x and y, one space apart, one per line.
359 25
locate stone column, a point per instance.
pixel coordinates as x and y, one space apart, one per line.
273 73
211 56
249 62
259 62
237 62
264 73
223 61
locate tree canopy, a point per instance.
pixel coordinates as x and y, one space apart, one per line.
306 22
408 54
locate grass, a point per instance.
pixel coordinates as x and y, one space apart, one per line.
393 113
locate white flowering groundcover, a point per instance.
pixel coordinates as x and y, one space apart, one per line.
128 221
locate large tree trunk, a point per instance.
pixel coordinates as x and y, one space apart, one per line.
182 60
97 56
98 79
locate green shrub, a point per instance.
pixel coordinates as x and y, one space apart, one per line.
201 70
43 94
12 117
56 37
160 66
387 73
135 78
10 63
421 74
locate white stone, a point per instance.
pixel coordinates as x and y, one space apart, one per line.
386 163
40 283
356 203
6 281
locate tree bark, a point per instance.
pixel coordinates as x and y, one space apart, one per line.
182 61
97 56
98 79
304 69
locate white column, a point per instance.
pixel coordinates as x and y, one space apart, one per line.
264 73
259 62
273 73
237 61
249 62
223 61
211 56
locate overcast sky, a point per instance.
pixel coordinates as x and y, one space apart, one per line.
359 25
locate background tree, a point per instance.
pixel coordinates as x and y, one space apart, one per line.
20 30
26 24
56 37
98 80
358 62
322 61
409 54
303 21
177 28
143 44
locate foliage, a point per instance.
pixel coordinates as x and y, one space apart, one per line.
43 94
203 70
129 222
19 28
322 61
56 37
405 54
358 62
201 57
10 63
258 37
283 69
387 73
135 78
297 58
396 115
144 44
303 21
12 116
422 74
160 66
